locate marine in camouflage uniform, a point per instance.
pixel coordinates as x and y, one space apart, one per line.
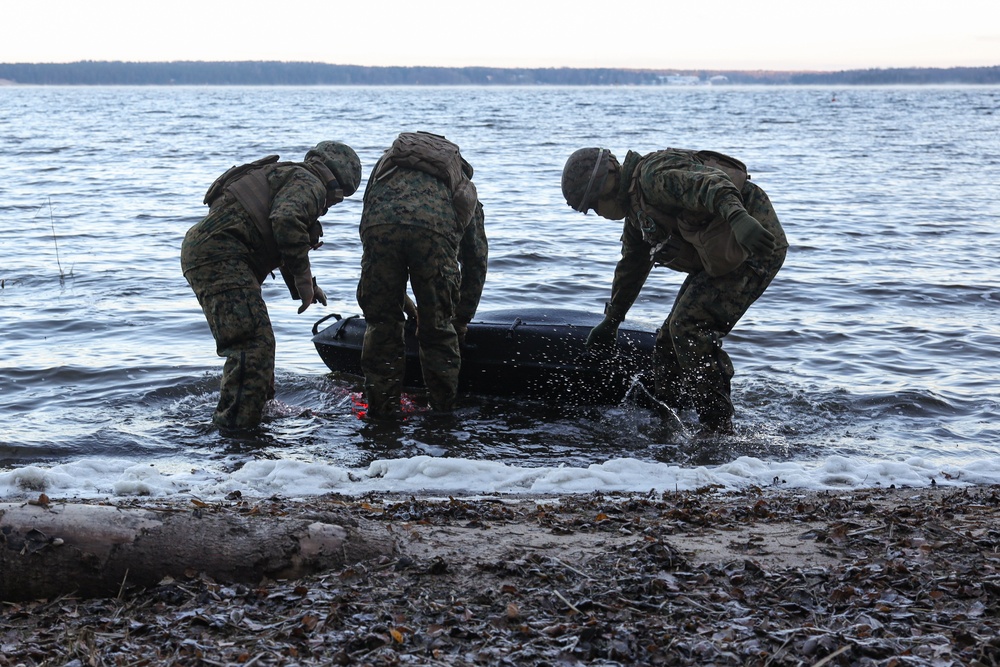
226 257
410 231
695 212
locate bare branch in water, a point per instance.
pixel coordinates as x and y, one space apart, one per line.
56 242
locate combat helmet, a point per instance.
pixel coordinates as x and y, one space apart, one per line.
342 161
583 177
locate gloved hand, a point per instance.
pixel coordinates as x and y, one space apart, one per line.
604 334
751 234
319 296
309 293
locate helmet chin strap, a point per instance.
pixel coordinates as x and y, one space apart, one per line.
601 158
334 191
322 171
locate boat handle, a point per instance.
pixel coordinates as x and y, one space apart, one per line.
323 319
516 324
339 333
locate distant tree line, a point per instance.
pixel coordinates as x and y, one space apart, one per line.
272 73
911 75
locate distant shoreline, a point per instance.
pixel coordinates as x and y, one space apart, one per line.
273 73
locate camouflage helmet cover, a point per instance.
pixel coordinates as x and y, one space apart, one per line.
342 161
583 177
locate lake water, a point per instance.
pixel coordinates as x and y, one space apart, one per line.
871 360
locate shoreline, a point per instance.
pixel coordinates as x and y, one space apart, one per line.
752 577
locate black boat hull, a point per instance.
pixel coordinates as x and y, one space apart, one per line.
531 353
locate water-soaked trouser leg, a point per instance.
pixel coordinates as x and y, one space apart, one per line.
668 381
689 352
243 335
230 297
689 345
436 278
380 294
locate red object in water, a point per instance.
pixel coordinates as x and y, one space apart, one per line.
358 405
407 406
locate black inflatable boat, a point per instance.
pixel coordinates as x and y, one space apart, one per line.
532 353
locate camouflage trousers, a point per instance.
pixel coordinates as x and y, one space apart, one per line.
238 319
394 254
690 365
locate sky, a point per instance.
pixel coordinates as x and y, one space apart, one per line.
640 34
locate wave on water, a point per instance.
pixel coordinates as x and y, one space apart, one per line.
491 447
156 442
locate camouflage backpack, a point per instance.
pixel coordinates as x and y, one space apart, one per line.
435 155
667 230
735 170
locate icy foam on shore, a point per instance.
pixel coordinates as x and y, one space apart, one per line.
94 478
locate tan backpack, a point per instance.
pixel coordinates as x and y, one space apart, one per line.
232 174
248 185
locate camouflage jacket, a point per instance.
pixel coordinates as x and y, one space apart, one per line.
410 197
298 200
678 216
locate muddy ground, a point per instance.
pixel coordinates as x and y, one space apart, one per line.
887 577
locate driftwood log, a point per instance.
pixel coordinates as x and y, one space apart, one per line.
47 550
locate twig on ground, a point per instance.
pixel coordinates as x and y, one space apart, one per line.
845 647
567 602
